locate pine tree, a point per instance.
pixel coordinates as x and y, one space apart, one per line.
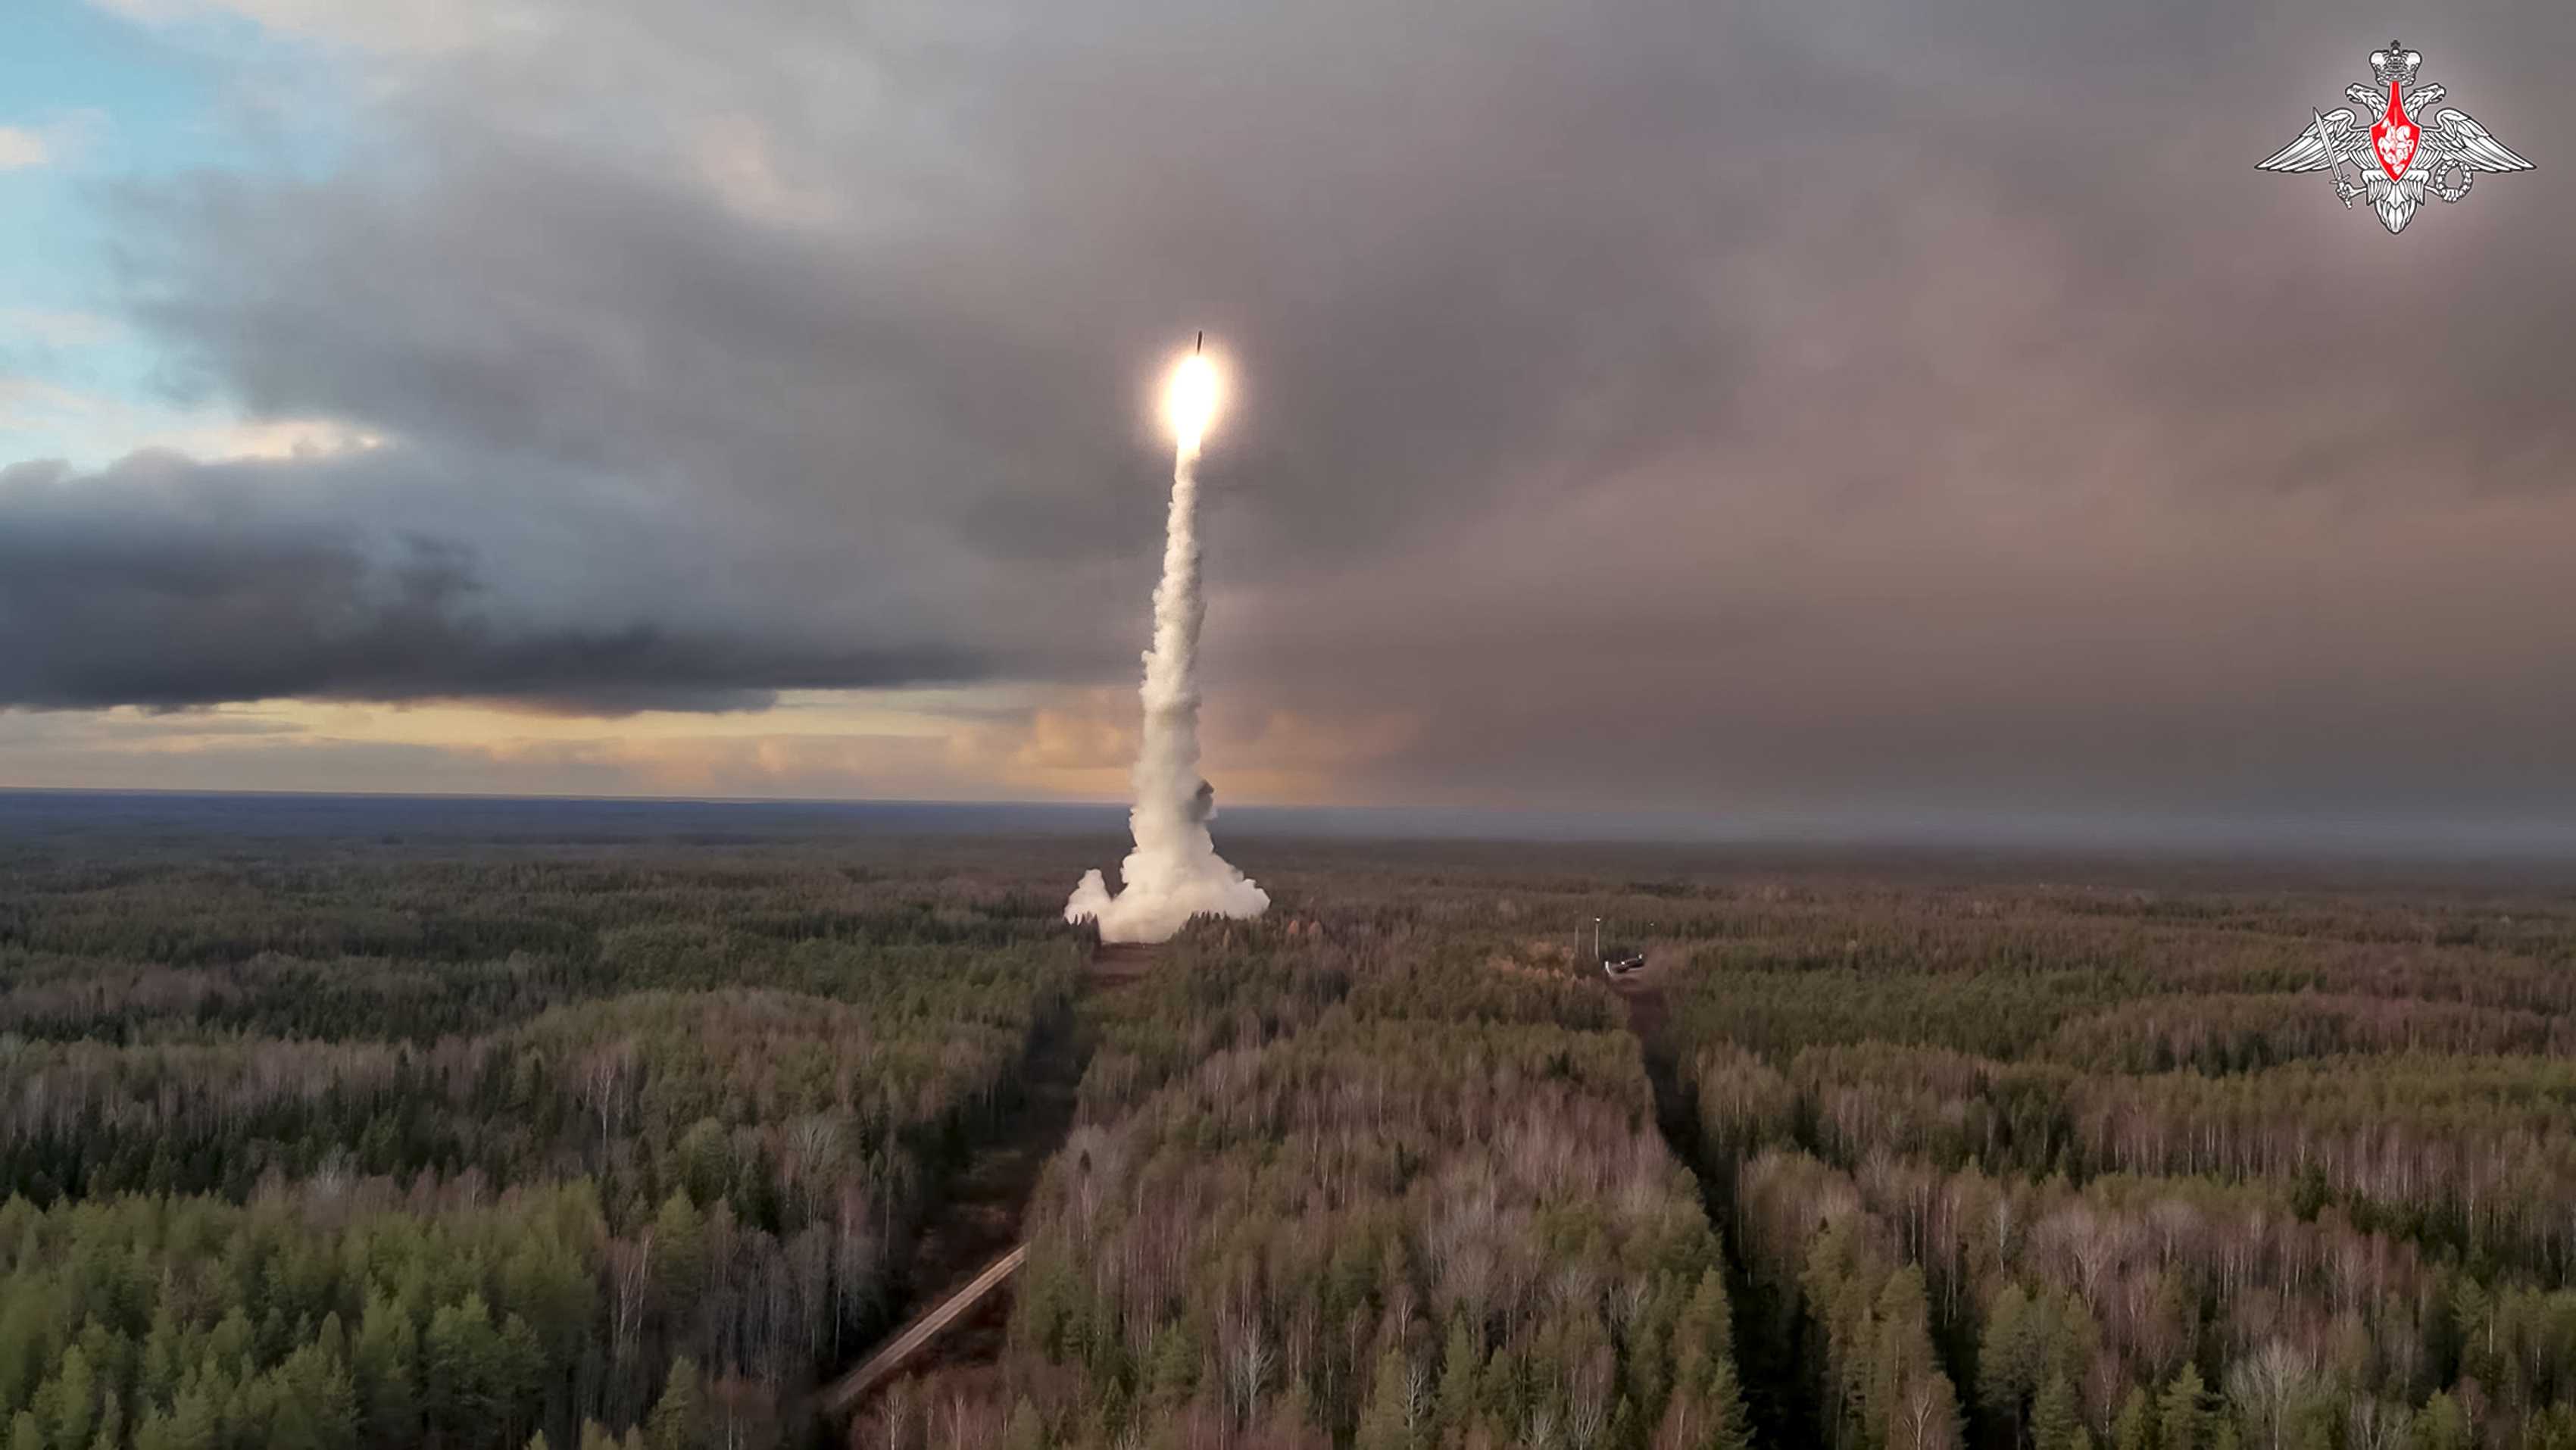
1646 1361
461 1373
382 1366
2473 1312
2553 1427
2000 1387
1704 1335
1900 1359
1174 1371
679 1418
1025 1430
2056 1420
1382 1424
2182 1415
2134 1428
73 1396
1728 1428
2443 1425
111 1423
679 1255
160 1367
1500 1387
1624 1428
518 1369
1458 1368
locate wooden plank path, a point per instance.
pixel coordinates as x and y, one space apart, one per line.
845 1393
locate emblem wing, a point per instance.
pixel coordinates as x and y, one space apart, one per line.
2455 137
2310 153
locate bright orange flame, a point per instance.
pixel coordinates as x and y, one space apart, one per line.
1190 399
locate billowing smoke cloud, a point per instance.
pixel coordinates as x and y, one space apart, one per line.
1174 873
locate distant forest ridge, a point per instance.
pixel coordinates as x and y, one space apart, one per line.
559 819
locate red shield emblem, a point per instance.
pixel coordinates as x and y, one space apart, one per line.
2393 137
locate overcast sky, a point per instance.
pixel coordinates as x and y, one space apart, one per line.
1821 408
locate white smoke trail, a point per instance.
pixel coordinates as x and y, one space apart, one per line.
1174 873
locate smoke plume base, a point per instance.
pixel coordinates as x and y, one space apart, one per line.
1174 873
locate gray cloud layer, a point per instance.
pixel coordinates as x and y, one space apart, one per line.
1877 405
166 583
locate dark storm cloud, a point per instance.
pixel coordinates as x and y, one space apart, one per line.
1892 402
165 583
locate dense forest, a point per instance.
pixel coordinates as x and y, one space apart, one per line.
1396 1200
1992 1154
625 1137
310 1143
2287 1169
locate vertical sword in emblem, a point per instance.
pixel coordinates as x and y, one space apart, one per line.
2334 159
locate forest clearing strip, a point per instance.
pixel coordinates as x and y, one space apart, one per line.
953 1270
853 1387
1781 1413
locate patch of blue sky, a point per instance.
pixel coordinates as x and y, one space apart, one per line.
92 100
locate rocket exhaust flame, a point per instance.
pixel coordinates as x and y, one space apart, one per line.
1189 404
1174 873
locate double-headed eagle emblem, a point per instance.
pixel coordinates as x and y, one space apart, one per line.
2400 156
